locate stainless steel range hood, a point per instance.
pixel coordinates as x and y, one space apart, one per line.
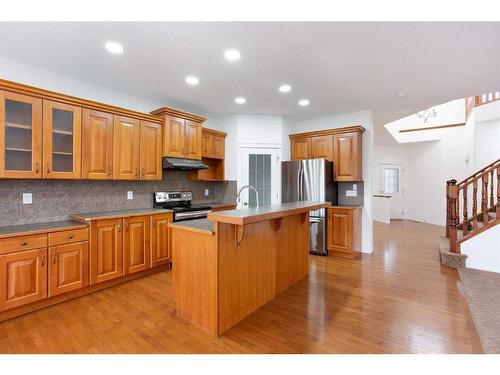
183 164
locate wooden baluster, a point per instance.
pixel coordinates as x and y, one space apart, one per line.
484 200
474 205
448 183
498 193
492 186
465 223
452 194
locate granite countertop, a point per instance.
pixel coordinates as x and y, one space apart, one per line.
249 215
348 206
100 215
197 225
28 229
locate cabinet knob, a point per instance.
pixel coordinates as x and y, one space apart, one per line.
24 243
70 236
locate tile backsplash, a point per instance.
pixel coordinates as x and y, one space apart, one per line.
55 199
358 200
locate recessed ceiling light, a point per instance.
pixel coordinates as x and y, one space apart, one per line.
192 80
232 55
240 100
303 102
114 47
285 88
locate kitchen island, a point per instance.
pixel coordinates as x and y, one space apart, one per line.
226 267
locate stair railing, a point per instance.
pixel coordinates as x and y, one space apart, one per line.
488 179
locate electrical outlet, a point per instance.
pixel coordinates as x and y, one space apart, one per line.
27 198
355 187
130 194
351 193
207 193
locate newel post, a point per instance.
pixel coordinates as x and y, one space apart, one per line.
451 213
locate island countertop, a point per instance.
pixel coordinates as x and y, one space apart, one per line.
250 215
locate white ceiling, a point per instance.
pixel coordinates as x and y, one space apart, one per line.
340 67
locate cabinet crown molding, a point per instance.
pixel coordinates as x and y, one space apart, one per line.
166 111
214 132
347 129
68 99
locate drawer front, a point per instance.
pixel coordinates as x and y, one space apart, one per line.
20 243
68 236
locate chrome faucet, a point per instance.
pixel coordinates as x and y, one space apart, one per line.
238 196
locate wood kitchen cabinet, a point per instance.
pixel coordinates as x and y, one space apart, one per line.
20 136
106 252
68 267
136 245
343 146
344 231
322 147
126 148
97 145
160 239
301 148
62 137
182 133
150 151
213 143
23 277
347 157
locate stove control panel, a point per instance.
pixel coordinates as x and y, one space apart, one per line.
173 196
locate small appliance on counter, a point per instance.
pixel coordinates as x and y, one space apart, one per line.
310 180
180 203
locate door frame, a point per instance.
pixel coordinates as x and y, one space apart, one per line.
274 148
402 186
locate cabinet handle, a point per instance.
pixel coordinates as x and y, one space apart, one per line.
54 259
70 236
43 259
143 173
136 172
109 171
126 227
48 168
24 243
37 168
119 227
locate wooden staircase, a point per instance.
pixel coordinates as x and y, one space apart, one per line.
469 213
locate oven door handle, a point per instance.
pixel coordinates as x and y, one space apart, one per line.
193 214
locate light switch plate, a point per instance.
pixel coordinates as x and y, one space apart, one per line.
27 198
206 192
130 194
351 193
355 187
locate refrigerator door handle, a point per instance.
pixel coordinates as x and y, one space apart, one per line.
299 183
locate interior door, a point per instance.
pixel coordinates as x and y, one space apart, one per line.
392 184
260 168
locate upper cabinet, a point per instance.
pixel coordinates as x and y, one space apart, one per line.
97 145
44 134
300 148
182 133
61 140
20 136
126 148
213 144
343 146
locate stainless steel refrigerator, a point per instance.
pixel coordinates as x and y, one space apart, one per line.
310 180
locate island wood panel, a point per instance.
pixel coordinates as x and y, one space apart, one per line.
97 145
194 277
247 275
23 277
292 251
68 267
160 239
136 242
106 250
126 148
151 151
34 169
57 146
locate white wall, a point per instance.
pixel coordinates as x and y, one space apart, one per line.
483 250
486 135
363 118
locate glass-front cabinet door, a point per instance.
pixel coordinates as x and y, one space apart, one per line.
61 140
20 136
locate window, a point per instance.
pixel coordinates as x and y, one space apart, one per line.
391 180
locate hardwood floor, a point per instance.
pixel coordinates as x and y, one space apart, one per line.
397 300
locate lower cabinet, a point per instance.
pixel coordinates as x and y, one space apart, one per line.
68 267
344 231
136 249
106 253
160 246
23 277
